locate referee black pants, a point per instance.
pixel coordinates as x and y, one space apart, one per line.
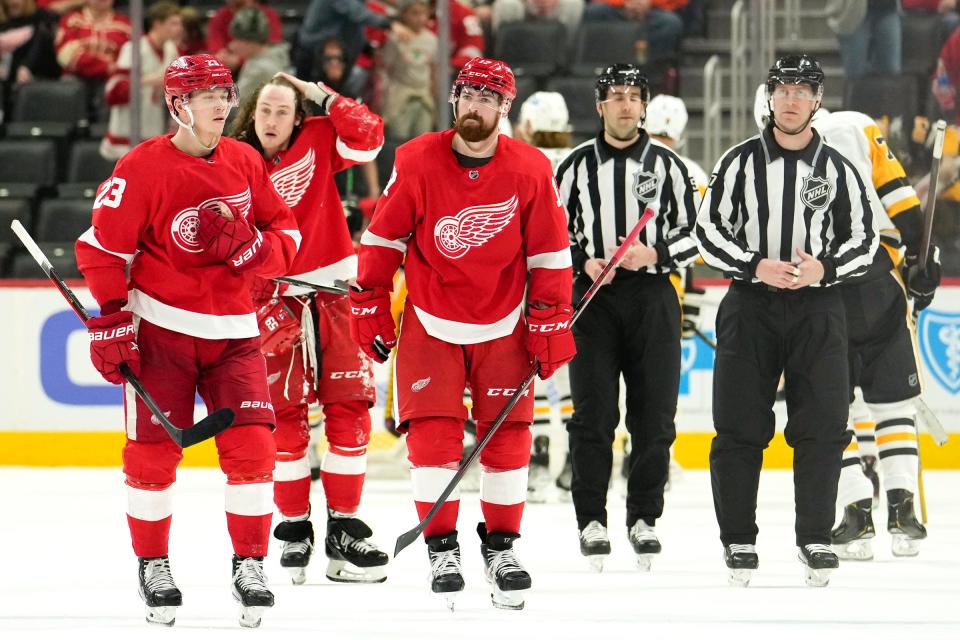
762 333
632 327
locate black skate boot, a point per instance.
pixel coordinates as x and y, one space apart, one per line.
741 560
869 466
903 524
819 561
250 589
565 479
297 537
643 537
446 576
538 481
347 543
158 591
851 538
509 581
595 544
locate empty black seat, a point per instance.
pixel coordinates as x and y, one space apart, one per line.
578 93
921 40
26 166
49 109
599 44
13 209
883 95
86 164
61 256
62 219
531 48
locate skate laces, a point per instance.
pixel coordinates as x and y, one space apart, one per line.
250 575
297 546
594 532
817 548
444 562
157 575
642 531
504 562
359 545
744 548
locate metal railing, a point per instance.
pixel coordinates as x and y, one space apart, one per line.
712 111
739 67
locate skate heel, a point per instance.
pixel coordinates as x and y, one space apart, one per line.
741 561
860 550
851 538
351 556
903 546
902 523
819 561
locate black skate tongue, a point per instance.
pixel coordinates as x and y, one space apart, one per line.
354 527
294 531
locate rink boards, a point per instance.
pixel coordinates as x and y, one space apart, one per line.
58 411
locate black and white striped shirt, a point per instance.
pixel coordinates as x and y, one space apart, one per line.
764 201
605 191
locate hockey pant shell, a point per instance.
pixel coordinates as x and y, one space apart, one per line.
631 328
226 373
761 334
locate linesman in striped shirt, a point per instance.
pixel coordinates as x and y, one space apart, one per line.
786 216
632 327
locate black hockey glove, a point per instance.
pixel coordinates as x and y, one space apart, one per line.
921 287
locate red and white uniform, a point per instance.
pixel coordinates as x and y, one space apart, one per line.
471 237
303 175
466 34
89 48
196 326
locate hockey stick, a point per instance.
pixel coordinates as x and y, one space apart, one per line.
404 540
210 426
710 342
940 128
931 422
340 287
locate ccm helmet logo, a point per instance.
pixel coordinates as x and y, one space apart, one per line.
249 252
550 327
111 334
506 392
256 404
340 375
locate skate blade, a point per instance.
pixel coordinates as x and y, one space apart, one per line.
817 577
298 575
859 550
165 616
903 546
510 600
644 561
739 577
250 617
343 571
596 562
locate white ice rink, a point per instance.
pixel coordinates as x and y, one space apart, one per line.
69 572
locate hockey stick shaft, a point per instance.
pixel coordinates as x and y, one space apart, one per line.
208 427
930 421
940 127
336 289
405 539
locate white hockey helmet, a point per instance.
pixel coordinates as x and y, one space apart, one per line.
545 111
666 116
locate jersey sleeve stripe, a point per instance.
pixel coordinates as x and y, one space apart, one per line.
891 186
296 235
904 194
552 260
357 155
371 239
90 238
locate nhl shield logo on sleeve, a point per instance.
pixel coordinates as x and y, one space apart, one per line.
645 186
815 192
939 337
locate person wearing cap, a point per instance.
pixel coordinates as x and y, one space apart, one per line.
787 217
250 31
477 218
632 328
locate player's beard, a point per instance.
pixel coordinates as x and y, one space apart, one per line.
471 128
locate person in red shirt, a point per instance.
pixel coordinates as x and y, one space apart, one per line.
190 217
466 34
89 40
218 30
302 155
475 215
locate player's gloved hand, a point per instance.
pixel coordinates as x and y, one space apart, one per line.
692 298
549 339
371 325
223 232
921 287
263 290
113 341
320 94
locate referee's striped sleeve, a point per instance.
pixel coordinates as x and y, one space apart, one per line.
854 226
570 196
684 198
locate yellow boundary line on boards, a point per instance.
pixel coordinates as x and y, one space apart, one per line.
102 449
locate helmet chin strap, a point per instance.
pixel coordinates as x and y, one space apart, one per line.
193 129
800 128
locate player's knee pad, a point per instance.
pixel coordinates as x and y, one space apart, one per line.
435 441
151 463
247 452
887 411
509 448
292 434
347 424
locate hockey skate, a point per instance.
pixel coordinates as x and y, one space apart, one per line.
818 562
538 483
643 537
869 466
902 524
297 537
595 544
250 589
742 561
158 591
446 576
851 538
509 581
347 544
565 479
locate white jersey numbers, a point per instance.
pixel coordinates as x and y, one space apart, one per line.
110 193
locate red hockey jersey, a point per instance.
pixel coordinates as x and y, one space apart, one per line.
145 216
470 237
303 175
89 48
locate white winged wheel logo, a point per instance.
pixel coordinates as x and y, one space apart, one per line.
472 227
292 182
185 224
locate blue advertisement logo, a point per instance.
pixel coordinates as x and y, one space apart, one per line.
54 376
695 355
939 337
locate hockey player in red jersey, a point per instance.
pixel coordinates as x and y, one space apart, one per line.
302 156
190 217
475 214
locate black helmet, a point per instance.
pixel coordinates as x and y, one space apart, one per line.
796 69
620 74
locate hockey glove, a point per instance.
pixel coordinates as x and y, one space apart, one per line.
264 290
921 287
549 339
113 341
322 95
371 325
223 232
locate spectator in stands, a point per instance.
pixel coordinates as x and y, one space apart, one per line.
871 46
466 34
250 31
218 30
89 40
946 78
60 7
193 39
567 12
663 27
26 43
158 48
409 108
946 9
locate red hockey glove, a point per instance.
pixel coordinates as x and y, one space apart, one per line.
263 290
113 342
224 233
371 325
549 338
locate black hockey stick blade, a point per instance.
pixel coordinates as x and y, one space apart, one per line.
339 286
210 426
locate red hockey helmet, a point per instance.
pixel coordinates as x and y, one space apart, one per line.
196 73
486 73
